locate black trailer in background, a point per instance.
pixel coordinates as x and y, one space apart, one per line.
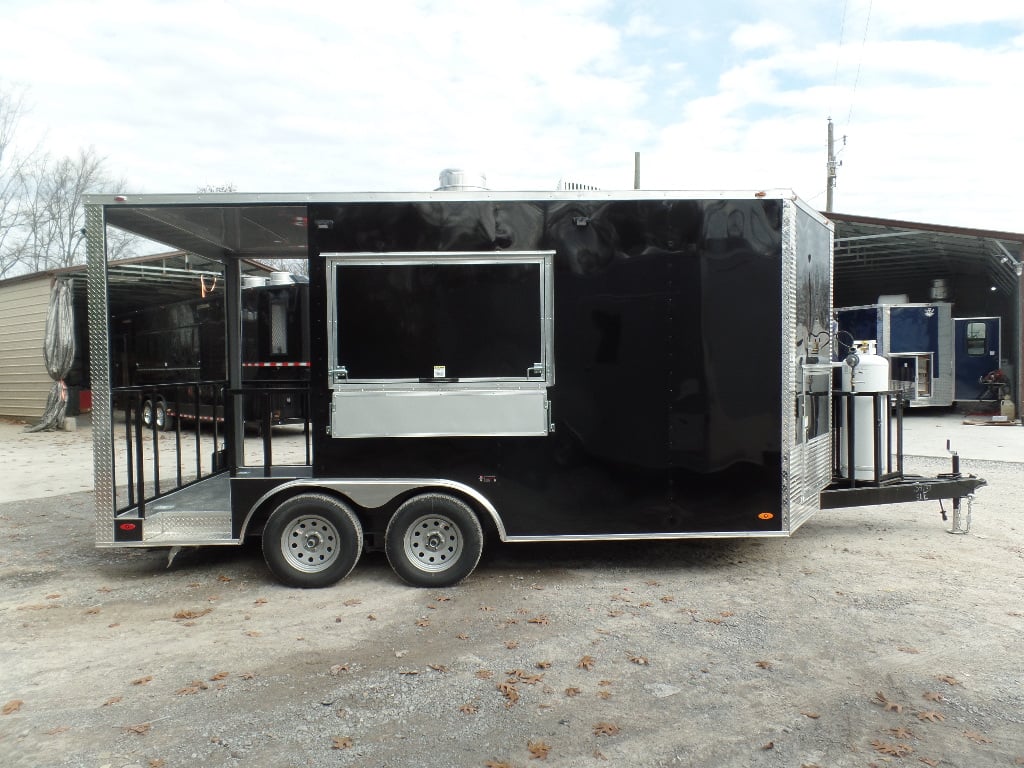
551 366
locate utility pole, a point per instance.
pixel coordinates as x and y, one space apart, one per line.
830 173
636 170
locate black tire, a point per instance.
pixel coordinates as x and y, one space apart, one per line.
434 540
312 540
162 422
147 414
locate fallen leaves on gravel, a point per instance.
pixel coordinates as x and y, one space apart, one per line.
977 738
522 676
929 761
948 679
811 715
538 750
902 733
156 762
890 706
509 691
542 620
587 662
58 730
769 745
260 601
139 728
932 696
543 664
142 680
438 668
570 692
12 706
341 742
512 644
111 701
193 688
220 676
337 669
887 748
468 709
484 674
185 613
605 729
763 664
422 621
931 716
643 661
497 764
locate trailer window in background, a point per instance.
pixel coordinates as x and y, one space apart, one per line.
977 339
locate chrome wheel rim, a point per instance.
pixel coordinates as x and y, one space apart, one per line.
310 544
433 543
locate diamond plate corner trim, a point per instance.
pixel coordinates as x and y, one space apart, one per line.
790 467
99 372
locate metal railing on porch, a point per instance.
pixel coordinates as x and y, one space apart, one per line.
189 436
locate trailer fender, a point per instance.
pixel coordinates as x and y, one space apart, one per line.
373 493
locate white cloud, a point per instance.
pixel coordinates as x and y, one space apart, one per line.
384 95
764 34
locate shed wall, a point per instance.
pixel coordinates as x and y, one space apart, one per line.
24 383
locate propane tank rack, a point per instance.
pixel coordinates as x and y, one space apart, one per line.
888 484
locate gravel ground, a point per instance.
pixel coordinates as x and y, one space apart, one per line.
870 638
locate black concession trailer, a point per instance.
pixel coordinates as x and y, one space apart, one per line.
564 366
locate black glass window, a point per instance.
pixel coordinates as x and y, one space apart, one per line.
977 339
410 321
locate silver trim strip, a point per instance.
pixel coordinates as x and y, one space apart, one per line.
300 198
647 536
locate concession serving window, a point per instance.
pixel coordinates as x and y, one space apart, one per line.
440 344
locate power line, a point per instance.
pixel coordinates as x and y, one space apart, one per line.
860 61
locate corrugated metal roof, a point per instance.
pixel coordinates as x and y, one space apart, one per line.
873 251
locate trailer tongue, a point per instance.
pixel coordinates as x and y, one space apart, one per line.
541 366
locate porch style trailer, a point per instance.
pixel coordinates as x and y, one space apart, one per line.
565 366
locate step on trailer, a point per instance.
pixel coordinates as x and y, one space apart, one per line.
566 366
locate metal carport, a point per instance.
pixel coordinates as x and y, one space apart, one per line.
981 268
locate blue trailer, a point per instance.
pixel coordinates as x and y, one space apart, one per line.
934 358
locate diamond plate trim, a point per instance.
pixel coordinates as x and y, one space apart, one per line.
99 372
806 466
790 473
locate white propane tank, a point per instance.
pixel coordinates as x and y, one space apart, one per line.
871 374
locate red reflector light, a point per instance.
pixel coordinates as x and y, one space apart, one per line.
127 526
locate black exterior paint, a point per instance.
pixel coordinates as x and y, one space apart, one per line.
667 346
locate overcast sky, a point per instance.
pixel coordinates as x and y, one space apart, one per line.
382 94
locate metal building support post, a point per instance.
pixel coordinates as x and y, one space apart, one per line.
235 436
1019 362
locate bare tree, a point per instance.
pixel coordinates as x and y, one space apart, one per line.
12 180
52 225
205 188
